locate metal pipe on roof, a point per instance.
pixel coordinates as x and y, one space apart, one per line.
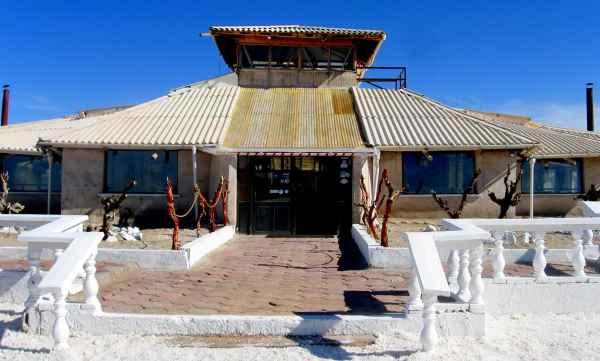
49 201
195 176
589 100
5 97
531 182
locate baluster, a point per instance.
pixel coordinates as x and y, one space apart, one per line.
464 277
476 285
453 260
498 261
35 277
588 237
90 286
414 292
577 257
429 336
60 330
539 261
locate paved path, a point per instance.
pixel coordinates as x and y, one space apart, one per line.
264 275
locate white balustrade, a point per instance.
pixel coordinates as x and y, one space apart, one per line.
588 237
429 336
539 260
60 329
476 285
90 286
577 257
453 261
498 261
414 292
464 276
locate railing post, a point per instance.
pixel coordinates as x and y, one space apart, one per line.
429 336
35 277
588 237
414 292
90 286
60 330
464 278
498 261
476 285
539 261
453 260
577 257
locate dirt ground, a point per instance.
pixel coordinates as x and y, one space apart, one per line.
397 226
154 238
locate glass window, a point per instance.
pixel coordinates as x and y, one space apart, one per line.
29 173
554 176
149 169
440 172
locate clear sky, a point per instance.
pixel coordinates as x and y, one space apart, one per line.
524 57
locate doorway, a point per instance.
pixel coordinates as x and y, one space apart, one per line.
294 195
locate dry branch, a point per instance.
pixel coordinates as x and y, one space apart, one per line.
111 205
7 207
457 212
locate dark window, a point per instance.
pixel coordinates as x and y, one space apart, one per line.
29 173
149 169
257 56
440 172
554 176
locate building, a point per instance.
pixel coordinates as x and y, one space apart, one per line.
293 132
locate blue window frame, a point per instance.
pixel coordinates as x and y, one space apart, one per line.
440 172
149 169
554 176
29 173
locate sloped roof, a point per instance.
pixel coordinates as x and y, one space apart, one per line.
295 29
553 143
401 119
23 137
282 119
191 115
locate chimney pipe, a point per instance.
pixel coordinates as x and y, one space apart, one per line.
589 98
5 95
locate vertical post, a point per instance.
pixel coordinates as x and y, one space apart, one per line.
429 336
498 261
414 292
531 183
539 261
588 237
464 277
476 285
453 260
60 330
375 181
34 279
49 201
90 286
195 177
577 257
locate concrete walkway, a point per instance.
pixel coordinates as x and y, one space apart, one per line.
264 276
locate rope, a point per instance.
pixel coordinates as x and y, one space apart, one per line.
188 211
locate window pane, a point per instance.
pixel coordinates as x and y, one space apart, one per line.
554 176
149 169
444 172
28 173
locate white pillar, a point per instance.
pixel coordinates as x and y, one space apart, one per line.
531 182
429 336
49 200
414 292
498 261
476 285
539 261
90 286
588 237
577 257
195 176
60 330
464 277
453 261
376 158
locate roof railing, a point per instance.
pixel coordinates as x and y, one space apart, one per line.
398 81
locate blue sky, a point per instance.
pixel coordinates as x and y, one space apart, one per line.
530 58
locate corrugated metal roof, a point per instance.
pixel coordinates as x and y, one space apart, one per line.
403 120
23 137
294 118
565 143
296 29
187 116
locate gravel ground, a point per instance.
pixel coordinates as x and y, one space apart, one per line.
153 238
519 337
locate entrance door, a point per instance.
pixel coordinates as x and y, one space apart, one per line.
294 195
